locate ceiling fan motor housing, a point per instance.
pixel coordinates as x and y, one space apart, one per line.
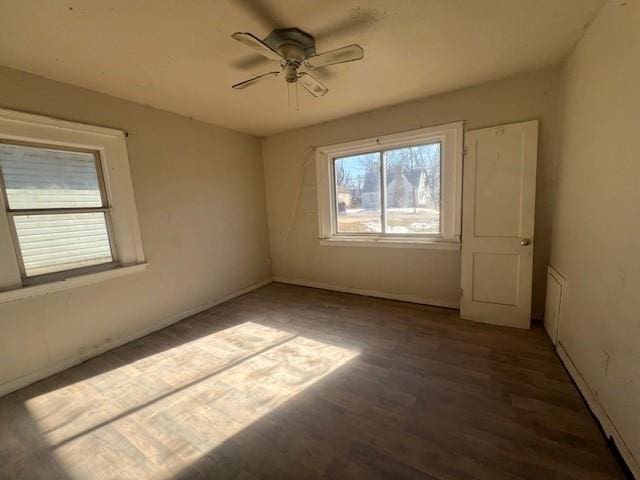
291 36
294 46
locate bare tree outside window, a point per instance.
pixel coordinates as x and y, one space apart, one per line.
411 191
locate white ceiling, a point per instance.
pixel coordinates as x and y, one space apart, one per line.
177 55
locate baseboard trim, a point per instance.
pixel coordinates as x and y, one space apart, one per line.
599 412
369 293
23 381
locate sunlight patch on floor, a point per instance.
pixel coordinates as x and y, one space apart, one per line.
161 413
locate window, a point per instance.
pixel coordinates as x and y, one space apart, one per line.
357 198
57 208
66 202
410 180
402 188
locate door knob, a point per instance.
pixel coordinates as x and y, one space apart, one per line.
525 241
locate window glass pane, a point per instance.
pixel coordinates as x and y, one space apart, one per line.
56 242
37 177
413 189
358 193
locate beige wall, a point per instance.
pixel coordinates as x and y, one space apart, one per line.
200 197
429 275
596 232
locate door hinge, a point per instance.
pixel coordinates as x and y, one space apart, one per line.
464 151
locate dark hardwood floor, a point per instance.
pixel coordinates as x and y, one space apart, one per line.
291 382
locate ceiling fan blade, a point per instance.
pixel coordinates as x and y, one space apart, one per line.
355 24
262 11
311 85
339 55
258 45
251 81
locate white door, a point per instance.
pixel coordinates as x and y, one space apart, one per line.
497 223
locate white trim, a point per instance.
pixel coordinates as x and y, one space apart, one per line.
369 293
598 410
388 242
70 282
392 140
450 136
562 283
112 148
49 370
45 120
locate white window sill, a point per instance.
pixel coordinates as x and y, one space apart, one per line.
389 242
71 282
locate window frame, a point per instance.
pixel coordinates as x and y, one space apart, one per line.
103 208
450 137
108 147
383 196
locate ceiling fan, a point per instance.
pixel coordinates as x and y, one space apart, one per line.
293 49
